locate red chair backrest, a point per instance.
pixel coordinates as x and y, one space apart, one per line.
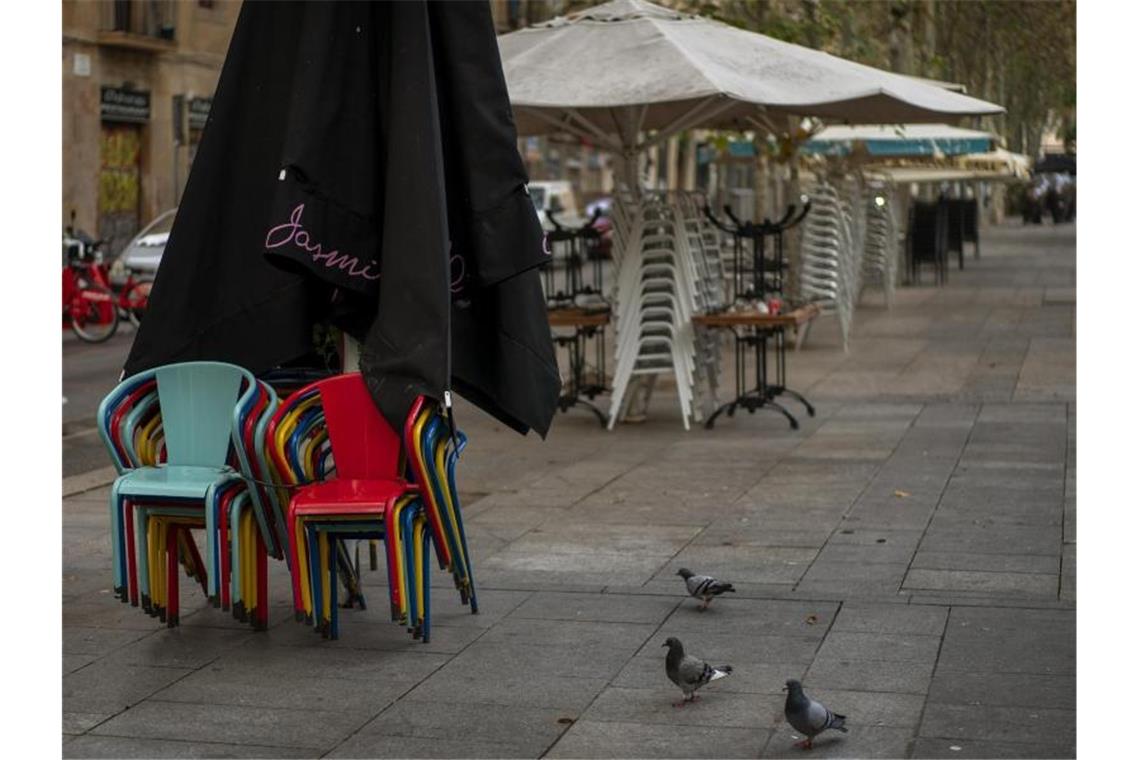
363 444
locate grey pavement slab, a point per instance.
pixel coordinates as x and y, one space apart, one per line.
1010 689
529 730
1010 640
589 738
605 608
891 618
870 675
1029 584
997 563
970 748
127 747
106 687
418 746
888 647
712 707
1033 725
308 728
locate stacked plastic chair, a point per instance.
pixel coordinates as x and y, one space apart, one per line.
331 427
669 267
178 437
880 243
704 247
656 298
829 264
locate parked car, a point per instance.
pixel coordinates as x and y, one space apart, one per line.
144 253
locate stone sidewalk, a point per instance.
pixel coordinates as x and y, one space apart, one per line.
909 554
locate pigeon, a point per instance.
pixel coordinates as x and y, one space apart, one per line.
703 587
807 716
688 672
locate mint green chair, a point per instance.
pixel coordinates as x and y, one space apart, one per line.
197 402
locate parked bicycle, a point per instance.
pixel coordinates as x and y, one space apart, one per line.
92 305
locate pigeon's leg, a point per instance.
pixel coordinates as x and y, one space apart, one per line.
704 605
805 744
682 702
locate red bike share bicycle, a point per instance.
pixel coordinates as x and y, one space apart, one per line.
92 306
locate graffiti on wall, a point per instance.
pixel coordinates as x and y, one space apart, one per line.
119 176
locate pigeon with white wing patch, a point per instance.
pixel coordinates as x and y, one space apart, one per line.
807 716
704 587
689 673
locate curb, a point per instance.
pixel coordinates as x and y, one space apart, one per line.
89 481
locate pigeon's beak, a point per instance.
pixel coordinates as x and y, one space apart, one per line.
665 644
784 689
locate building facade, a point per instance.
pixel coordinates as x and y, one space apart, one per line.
138 79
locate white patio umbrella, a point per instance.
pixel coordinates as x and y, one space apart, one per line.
612 72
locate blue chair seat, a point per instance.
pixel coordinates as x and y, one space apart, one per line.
173 481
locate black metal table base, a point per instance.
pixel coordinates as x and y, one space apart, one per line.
565 402
581 393
764 394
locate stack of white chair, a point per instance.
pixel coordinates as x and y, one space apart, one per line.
703 244
668 269
656 299
880 244
829 262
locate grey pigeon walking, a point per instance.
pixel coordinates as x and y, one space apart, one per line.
688 672
704 587
807 716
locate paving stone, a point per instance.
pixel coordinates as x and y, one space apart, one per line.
744 532
312 729
997 563
73 662
980 639
994 539
840 645
889 575
745 564
418 746
656 706
1028 584
608 608
891 618
513 686
869 675
583 567
179 647
859 742
296 692
1035 725
123 747
589 738
79 722
962 749
885 549
1009 689
107 687
728 615
529 730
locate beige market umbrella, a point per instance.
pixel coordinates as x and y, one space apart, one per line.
615 71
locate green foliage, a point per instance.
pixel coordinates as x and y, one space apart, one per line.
1018 53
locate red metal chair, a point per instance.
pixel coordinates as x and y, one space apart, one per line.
366 452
